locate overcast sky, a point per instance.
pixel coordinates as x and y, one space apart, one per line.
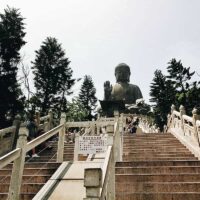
99 34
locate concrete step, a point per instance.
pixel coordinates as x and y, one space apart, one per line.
158 187
27 196
30 171
128 158
46 159
156 167
152 154
26 187
132 178
156 151
152 146
158 163
131 147
158 196
158 170
36 165
27 179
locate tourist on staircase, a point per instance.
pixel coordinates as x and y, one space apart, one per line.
32 128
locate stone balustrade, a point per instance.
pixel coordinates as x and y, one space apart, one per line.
18 155
185 128
99 182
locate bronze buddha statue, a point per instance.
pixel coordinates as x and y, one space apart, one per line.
122 90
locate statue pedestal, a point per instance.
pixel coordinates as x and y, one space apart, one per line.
108 107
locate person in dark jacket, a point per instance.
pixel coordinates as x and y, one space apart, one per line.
32 128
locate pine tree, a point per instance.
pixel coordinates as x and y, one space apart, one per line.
53 76
87 96
193 97
179 77
163 95
11 41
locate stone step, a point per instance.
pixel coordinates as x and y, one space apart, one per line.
29 196
151 140
131 146
156 167
157 170
149 135
158 163
119 178
158 196
48 158
172 154
26 187
158 187
36 165
30 171
156 150
146 146
128 158
27 178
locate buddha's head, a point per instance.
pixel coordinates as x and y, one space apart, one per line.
122 73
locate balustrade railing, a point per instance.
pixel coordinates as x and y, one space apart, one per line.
99 182
185 128
17 156
146 126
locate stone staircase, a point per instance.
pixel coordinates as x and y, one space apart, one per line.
37 171
157 167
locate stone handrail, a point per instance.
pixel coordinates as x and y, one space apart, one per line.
198 123
99 181
187 118
42 138
8 136
146 126
185 128
18 155
7 130
10 157
176 113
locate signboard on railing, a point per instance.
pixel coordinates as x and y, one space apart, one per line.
92 144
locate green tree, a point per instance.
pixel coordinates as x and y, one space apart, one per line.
193 96
87 95
76 111
162 95
53 76
11 41
179 77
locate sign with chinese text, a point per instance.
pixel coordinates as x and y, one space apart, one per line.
92 144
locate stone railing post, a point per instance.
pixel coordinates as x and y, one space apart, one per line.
18 166
61 139
195 117
98 126
117 145
173 108
16 123
116 114
76 146
92 183
121 133
182 112
50 114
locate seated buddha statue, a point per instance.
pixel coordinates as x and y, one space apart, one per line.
122 89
